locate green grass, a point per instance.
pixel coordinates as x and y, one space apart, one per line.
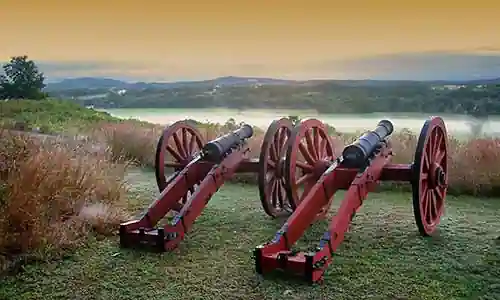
50 115
382 257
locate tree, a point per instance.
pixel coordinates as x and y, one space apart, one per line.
21 80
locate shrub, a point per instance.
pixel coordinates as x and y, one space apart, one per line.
129 141
46 189
50 116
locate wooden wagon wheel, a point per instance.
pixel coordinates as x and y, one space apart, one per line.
176 147
430 175
309 153
271 161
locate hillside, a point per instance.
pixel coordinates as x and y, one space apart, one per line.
478 98
97 83
108 83
49 115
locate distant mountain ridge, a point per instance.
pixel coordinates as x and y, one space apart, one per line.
110 83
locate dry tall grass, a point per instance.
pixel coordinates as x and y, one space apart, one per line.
52 193
128 141
473 165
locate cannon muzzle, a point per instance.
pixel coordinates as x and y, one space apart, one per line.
358 152
215 150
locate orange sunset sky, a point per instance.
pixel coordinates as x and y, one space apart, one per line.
213 38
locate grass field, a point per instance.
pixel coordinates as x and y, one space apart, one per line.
382 257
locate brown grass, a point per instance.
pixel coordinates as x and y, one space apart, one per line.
46 189
473 164
127 141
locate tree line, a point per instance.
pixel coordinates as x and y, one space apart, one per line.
472 99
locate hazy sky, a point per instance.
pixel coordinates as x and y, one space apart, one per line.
211 38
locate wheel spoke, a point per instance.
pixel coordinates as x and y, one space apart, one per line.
280 194
316 137
425 203
271 164
304 179
432 207
428 206
440 193
273 193
273 155
192 143
178 144
310 144
438 140
174 153
185 142
322 148
277 143
430 143
269 176
440 155
283 138
304 166
425 162
306 154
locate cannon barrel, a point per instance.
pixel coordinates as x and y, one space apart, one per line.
358 152
215 150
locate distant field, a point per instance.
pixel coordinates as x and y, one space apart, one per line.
382 257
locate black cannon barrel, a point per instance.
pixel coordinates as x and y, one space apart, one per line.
215 150
358 152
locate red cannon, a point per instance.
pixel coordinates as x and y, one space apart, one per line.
313 174
199 170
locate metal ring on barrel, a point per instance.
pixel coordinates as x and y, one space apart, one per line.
309 153
176 148
430 175
272 185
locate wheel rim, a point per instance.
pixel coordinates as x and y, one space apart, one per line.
176 148
430 175
272 185
309 153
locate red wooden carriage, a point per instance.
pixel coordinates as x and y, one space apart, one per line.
298 175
